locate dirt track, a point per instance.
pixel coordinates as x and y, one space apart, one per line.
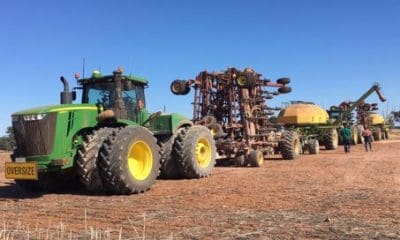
331 195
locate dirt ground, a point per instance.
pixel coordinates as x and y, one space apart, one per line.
325 196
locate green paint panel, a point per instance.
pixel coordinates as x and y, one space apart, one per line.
57 108
71 120
167 123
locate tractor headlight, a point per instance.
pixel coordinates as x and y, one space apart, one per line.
34 117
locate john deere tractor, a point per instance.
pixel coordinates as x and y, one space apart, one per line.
109 141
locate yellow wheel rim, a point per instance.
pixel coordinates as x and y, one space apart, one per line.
214 131
241 80
260 159
140 160
203 153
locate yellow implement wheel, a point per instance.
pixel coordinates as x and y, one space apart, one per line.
256 158
241 80
176 87
260 159
179 87
140 160
246 80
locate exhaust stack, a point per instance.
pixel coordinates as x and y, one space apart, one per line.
66 96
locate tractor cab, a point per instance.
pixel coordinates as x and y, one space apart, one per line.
121 95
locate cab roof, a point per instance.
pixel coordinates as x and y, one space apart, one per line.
109 78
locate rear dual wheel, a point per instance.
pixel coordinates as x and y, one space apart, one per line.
194 151
169 167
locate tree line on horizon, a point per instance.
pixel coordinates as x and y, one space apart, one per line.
7 142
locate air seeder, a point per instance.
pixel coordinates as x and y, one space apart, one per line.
109 141
232 103
316 125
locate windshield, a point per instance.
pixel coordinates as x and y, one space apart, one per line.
334 115
103 93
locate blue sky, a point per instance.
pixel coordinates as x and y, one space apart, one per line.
332 50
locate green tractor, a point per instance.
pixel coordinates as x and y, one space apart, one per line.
109 142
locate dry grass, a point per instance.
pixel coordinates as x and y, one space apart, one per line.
60 231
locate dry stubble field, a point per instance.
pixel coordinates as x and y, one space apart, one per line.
328 196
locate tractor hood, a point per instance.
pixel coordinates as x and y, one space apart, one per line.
58 108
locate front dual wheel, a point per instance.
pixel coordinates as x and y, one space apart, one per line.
129 160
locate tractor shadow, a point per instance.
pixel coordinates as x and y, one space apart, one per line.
12 191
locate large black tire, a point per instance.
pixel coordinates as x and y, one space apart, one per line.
377 134
87 158
354 135
314 146
386 134
284 90
290 146
255 158
129 160
283 80
194 150
240 160
331 139
169 166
